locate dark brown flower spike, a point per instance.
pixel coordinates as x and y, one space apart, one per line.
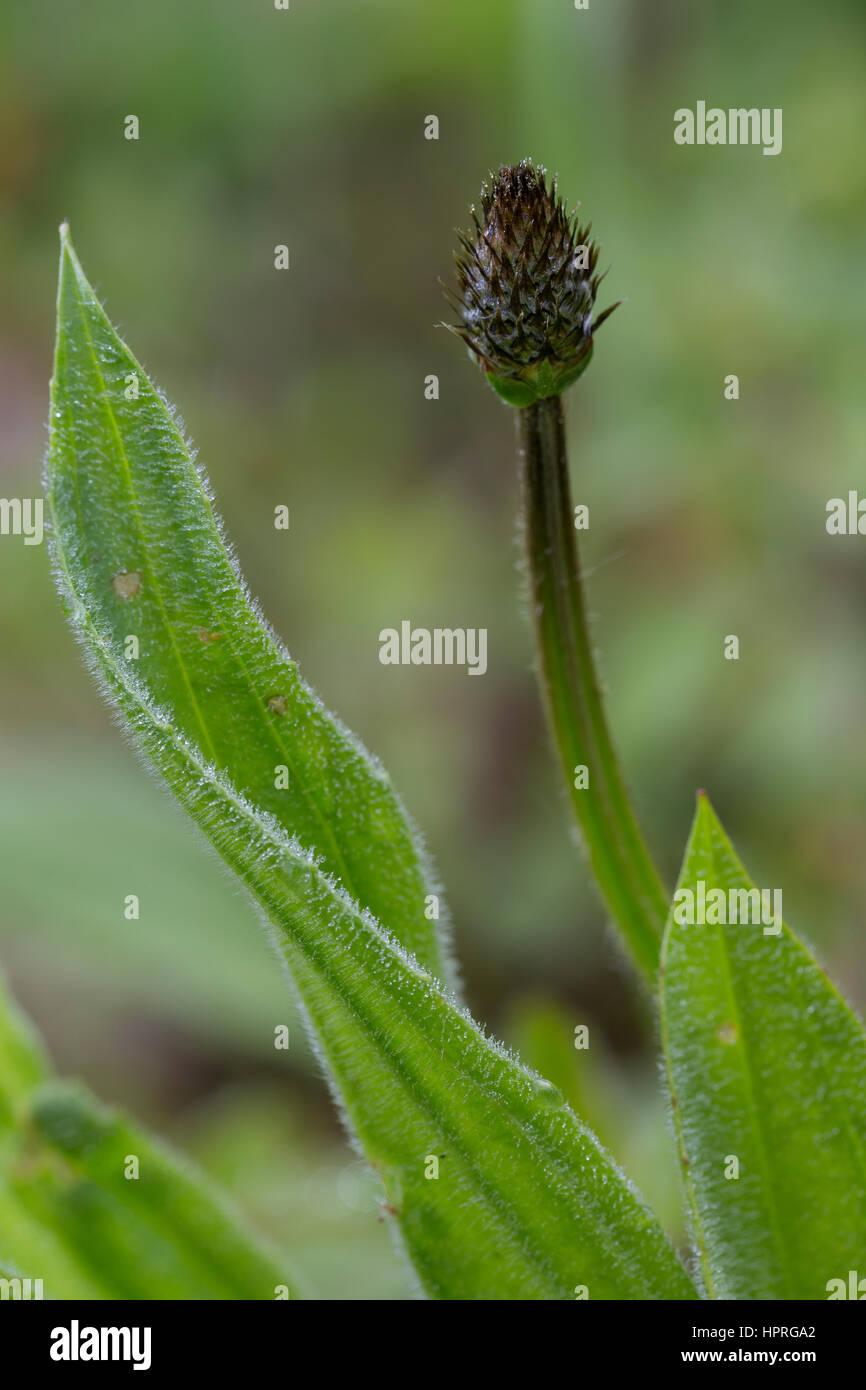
527 285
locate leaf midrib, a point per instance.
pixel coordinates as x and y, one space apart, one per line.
273 733
743 1052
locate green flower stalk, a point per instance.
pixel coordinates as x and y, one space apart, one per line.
527 288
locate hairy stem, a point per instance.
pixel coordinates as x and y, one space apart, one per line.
619 857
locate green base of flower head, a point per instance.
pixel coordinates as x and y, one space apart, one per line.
540 381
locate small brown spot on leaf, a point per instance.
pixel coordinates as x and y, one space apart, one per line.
277 703
126 584
727 1033
206 636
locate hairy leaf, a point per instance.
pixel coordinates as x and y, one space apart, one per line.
526 1204
94 1208
767 1071
139 1220
119 467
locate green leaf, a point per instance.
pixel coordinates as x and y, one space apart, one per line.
117 470
27 1249
23 1063
526 1203
138 1220
767 1065
32 1250
72 1215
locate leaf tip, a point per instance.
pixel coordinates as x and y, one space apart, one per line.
705 815
68 257
702 802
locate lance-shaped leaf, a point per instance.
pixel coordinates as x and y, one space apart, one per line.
28 1249
91 1207
499 1191
173 595
31 1250
767 1071
138 1220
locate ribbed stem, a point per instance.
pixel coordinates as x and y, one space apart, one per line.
618 855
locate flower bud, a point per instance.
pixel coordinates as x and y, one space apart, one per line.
527 286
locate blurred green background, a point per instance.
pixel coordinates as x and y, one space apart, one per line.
306 388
